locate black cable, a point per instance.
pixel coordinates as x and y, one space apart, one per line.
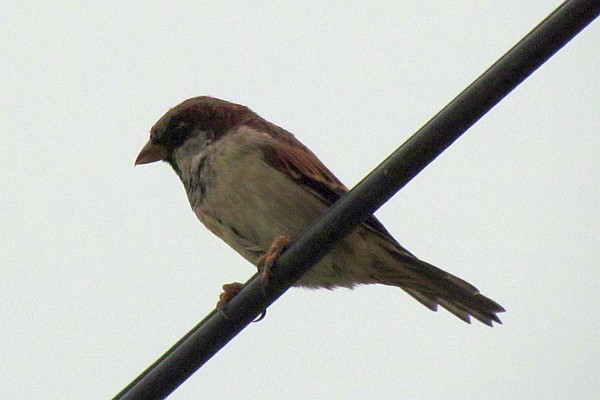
216 330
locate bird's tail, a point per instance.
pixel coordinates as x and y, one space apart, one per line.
432 286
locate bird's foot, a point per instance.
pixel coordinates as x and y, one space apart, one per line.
266 261
230 290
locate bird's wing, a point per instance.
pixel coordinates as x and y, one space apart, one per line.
295 160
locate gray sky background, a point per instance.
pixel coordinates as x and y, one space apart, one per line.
104 266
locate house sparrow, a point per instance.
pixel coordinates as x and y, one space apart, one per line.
254 185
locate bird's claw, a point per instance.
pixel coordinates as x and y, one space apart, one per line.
230 290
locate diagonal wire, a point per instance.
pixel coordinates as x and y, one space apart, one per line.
216 329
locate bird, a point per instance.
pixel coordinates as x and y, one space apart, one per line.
257 187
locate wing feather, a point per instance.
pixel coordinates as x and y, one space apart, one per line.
295 160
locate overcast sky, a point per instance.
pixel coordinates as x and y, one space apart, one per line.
104 266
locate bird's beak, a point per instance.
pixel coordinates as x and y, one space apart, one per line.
151 153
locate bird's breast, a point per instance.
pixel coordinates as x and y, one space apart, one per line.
237 188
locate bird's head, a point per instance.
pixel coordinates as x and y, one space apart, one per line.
186 129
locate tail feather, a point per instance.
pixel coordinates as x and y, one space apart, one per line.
432 286
426 301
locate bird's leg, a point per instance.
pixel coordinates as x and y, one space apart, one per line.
264 264
230 290
267 260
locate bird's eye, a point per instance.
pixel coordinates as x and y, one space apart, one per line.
177 132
